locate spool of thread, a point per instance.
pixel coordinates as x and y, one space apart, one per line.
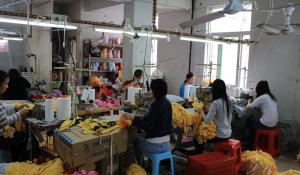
187 91
63 108
92 94
49 109
192 91
131 93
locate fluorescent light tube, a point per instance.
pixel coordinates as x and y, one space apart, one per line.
195 39
122 31
35 23
110 30
11 38
152 35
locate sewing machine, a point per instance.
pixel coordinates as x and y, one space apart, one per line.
143 99
204 94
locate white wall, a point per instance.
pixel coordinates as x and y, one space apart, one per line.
14 58
40 43
173 57
276 59
113 14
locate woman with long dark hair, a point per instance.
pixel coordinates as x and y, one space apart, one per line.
189 80
220 111
266 103
157 123
17 88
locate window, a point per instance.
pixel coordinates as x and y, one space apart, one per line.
229 61
3 46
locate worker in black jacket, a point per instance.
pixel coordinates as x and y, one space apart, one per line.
17 87
156 123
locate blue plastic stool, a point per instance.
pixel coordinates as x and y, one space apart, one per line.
4 156
156 158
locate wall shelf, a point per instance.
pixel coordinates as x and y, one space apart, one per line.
110 45
106 60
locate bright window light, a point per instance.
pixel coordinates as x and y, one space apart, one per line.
3 46
234 23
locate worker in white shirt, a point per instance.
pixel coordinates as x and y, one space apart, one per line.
220 111
266 103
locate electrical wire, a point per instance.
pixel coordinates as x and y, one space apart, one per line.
58 54
266 22
144 64
172 58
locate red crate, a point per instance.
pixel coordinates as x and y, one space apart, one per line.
213 163
233 148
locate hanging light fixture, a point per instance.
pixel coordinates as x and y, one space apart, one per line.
109 30
11 38
36 22
201 40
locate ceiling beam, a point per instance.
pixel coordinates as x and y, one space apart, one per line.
91 5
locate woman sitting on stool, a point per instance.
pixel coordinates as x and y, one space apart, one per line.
156 123
265 102
220 111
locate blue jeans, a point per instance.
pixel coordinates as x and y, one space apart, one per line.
142 146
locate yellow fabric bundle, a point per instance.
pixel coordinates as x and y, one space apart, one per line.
289 172
203 131
90 125
9 131
258 163
53 167
135 169
198 106
181 117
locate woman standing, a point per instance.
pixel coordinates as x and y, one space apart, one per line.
220 111
266 103
9 114
189 80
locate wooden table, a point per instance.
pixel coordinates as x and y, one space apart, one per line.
98 110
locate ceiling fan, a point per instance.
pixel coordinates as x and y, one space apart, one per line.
233 7
286 28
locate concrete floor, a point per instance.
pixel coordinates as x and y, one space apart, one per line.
284 162
287 161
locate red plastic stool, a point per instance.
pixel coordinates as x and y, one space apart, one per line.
268 141
233 148
212 163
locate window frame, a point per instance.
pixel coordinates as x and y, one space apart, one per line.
239 35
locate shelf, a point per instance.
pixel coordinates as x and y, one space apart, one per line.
65 81
110 60
95 71
110 45
62 68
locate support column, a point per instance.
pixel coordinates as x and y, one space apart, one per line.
137 52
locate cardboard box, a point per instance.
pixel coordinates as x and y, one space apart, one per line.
78 149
